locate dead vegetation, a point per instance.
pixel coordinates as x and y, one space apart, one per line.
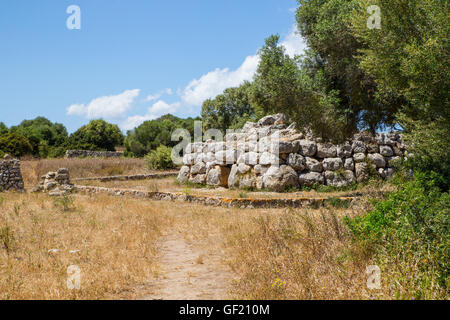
111 240
32 170
116 242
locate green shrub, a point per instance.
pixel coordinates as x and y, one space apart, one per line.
409 235
15 144
160 159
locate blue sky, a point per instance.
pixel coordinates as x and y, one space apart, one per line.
132 60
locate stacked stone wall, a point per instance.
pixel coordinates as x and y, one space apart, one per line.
10 175
271 155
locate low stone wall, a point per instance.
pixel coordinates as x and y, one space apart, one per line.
130 177
93 154
214 201
55 183
271 155
10 175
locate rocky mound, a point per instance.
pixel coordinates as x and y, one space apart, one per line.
271 155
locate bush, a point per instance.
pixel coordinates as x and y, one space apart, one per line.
409 234
160 159
15 144
98 135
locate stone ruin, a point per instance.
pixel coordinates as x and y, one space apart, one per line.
55 183
271 155
10 176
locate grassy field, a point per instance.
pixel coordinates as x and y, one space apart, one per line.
274 254
118 242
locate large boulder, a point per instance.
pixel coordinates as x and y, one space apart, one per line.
218 176
386 151
313 165
198 179
335 179
307 148
359 147
268 158
249 158
359 157
280 178
326 150
234 177
296 161
332 164
198 168
377 159
362 171
344 150
349 164
310 178
247 181
183 175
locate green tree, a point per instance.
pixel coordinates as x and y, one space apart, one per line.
281 84
229 110
97 135
333 65
3 128
151 134
409 57
46 138
15 144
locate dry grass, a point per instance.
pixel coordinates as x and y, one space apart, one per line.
171 185
32 170
283 254
115 238
274 253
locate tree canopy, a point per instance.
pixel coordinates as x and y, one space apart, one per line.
15 144
151 134
229 110
97 135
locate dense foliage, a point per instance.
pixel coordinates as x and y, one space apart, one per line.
3 128
409 57
151 134
160 159
410 236
46 138
97 135
229 110
15 145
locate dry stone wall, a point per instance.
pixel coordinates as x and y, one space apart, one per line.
93 154
271 155
55 183
10 175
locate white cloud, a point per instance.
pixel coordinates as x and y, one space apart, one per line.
294 43
213 83
158 95
156 110
109 107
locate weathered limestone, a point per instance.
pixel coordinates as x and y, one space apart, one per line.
271 154
55 183
10 175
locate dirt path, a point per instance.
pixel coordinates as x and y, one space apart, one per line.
190 271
